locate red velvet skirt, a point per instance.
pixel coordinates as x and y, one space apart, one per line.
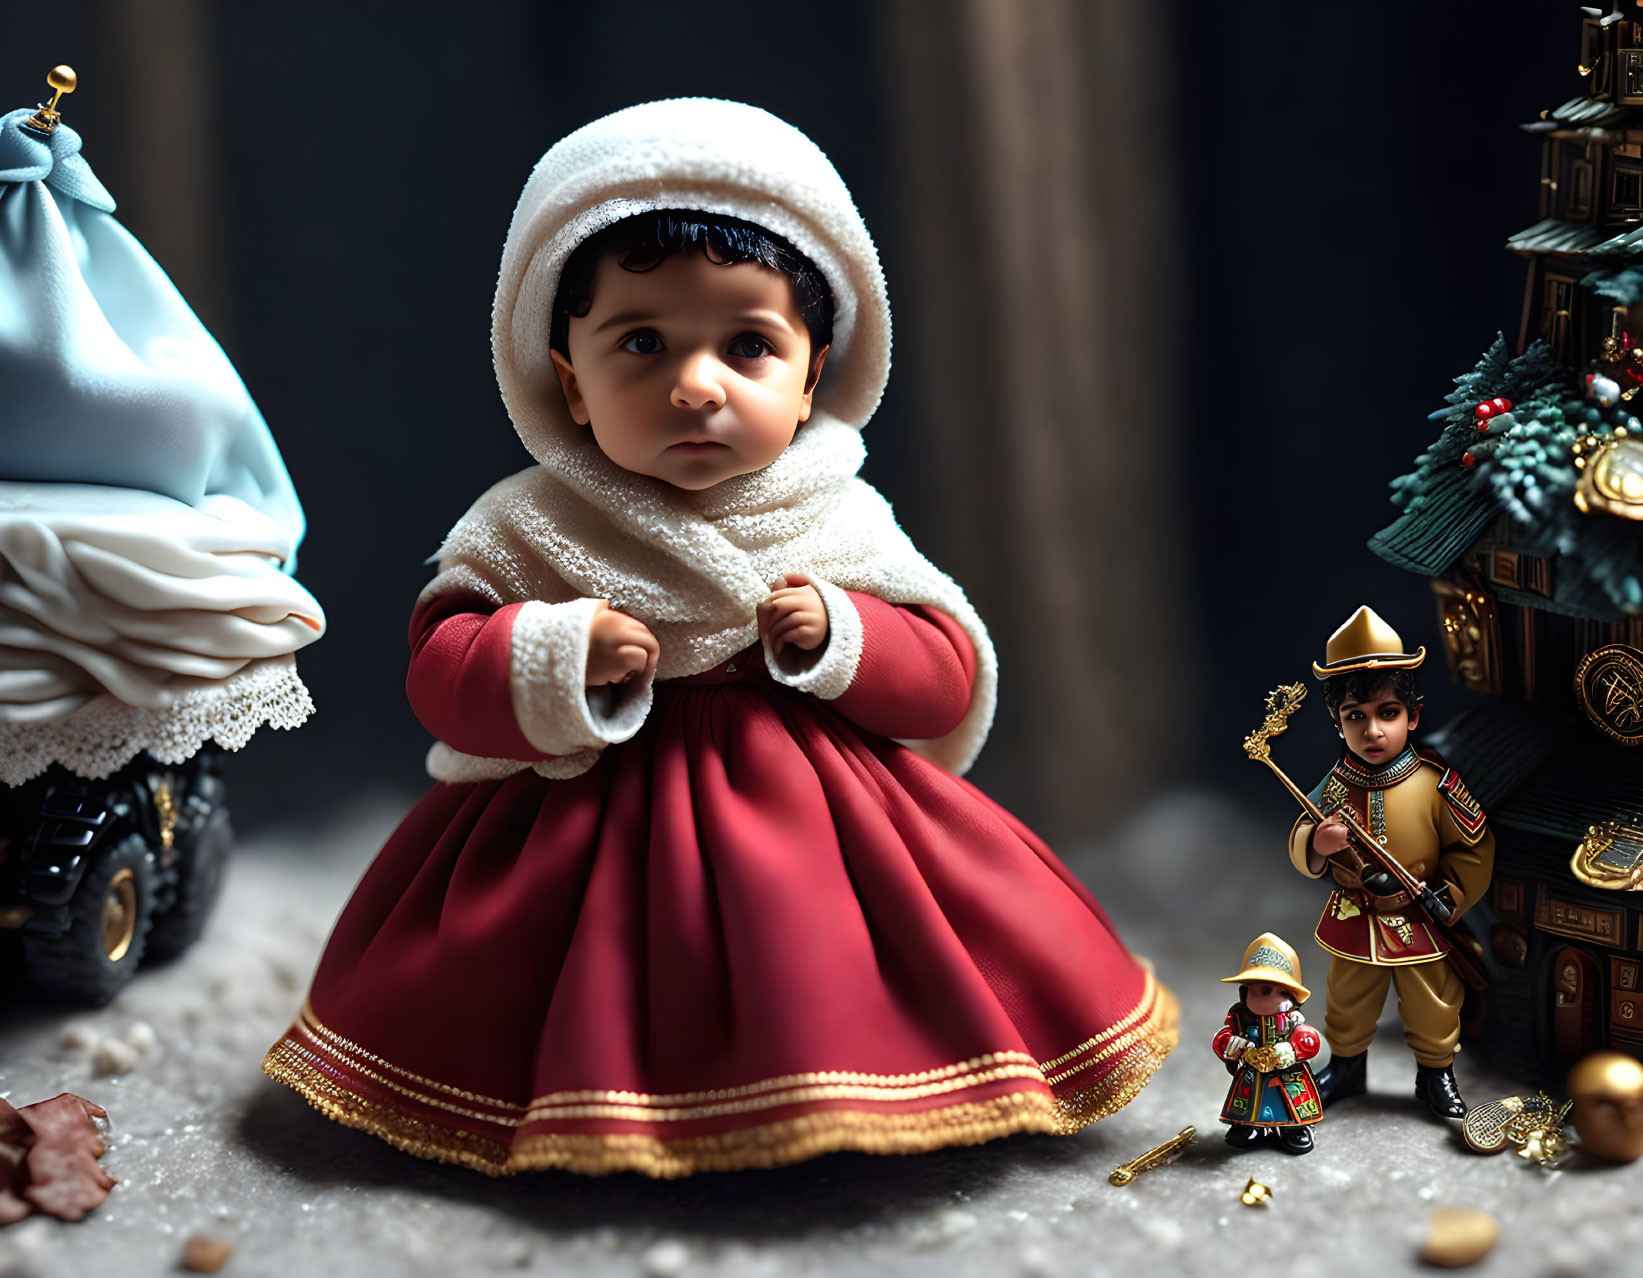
749 935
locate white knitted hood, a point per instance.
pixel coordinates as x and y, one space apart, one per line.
688 153
694 566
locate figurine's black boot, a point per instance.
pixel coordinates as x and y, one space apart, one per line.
1297 1140
1436 1086
1344 1076
1243 1136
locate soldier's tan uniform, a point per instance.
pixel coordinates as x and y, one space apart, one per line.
1434 828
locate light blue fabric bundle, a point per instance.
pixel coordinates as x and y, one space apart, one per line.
148 528
106 376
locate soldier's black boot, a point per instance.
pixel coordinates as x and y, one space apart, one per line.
1243 1136
1436 1086
1297 1140
1343 1077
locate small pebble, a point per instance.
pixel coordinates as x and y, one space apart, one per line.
1457 1237
954 1222
141 1038
665 1259
205 1255
113 1057
77 1036
26 1249
1164 1231
286 975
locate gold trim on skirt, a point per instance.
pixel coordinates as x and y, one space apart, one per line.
1140 1041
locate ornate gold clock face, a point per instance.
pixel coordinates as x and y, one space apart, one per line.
1611 477
1609 684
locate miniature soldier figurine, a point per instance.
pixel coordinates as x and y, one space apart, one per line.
1425 820
1266 1045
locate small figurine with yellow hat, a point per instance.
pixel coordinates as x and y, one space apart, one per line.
1266 1044
1425 820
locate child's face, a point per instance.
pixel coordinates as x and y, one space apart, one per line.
690 372
1377 728
1268 1000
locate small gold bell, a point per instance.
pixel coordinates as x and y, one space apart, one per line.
63 80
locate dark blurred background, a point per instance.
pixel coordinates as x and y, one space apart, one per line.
1175 289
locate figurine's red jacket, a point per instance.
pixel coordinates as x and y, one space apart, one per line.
1284 1097
1302 1037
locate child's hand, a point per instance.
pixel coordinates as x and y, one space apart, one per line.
794 614
620 648
1330 838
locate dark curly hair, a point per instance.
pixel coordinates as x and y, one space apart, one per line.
646 240
1362 685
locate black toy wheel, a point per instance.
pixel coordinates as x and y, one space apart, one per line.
109 918
201 864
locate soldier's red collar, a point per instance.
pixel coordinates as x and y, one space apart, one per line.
1354 773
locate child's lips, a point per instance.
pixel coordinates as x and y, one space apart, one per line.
697 446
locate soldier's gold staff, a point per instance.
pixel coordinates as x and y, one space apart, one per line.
1280 704
1154 1157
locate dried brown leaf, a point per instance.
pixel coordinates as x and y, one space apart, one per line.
64 1177
15 1138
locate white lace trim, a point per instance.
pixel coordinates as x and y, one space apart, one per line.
100 736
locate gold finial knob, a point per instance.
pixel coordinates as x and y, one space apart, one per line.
63 80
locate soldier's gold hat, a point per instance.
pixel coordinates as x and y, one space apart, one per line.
1271 958
1366 642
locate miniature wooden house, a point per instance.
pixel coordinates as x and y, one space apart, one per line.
1541 601
1591 193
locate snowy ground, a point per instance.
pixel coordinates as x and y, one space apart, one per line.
201 1142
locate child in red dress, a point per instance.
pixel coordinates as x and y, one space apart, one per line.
699 888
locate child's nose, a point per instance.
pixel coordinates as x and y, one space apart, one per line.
698 384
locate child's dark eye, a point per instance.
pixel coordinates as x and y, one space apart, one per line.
751 346
644 342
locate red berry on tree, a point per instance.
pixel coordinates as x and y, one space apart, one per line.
1485 411
1468 460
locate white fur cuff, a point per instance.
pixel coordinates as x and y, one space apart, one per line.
555 709
833 671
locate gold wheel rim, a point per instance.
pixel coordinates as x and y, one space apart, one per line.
120 915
